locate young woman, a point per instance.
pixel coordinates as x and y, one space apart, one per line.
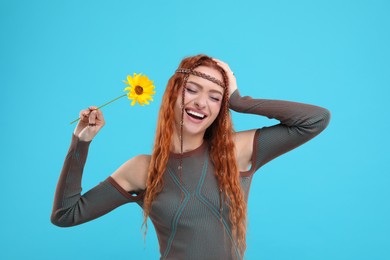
195 184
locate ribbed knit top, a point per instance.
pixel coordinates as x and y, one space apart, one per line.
186 213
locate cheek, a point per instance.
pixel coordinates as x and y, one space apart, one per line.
216 107
215 110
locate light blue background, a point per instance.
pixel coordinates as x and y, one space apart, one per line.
328 199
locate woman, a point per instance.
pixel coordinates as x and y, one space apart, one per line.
195 185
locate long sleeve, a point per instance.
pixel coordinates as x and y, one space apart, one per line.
298 124
70 208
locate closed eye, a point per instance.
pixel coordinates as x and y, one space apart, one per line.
190 90
215 99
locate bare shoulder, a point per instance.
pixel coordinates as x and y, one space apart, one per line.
132 175
244 148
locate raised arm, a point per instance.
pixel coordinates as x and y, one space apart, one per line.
298 124
70 208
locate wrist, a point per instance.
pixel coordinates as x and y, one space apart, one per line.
79 139
234 99
232 90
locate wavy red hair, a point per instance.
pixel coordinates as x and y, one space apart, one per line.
222 151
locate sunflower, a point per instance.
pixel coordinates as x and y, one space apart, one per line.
140 89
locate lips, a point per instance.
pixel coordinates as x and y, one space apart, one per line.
195 114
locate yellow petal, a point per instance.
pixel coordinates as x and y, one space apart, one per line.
148 88
142 81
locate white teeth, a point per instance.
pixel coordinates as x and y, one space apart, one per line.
195 114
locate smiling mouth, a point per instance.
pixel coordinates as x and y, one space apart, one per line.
195 115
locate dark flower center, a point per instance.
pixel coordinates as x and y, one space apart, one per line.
139 90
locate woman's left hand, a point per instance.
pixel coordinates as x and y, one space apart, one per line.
229 73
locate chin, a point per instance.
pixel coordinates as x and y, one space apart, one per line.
195 130
192 131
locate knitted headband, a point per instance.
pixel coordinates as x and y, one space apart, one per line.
202 75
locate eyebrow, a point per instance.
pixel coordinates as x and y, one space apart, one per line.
200 86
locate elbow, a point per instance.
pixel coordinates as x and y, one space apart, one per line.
317 123
322 121
59 221
325 118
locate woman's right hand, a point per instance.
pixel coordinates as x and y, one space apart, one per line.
90 123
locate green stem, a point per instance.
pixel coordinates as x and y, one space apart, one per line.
105 104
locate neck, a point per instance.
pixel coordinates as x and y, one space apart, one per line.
190 142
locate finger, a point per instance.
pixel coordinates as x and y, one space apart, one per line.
217 60
99 115
221 63
84 111
84 114
92 118
224 66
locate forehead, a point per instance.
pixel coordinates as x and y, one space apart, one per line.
205 82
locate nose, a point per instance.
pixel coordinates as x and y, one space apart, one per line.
199 102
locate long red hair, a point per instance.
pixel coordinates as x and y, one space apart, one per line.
222 151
